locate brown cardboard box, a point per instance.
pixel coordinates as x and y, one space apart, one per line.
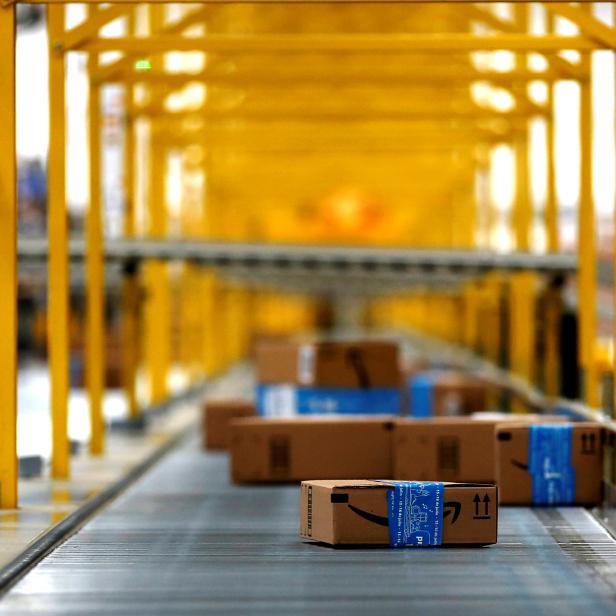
451 394
217 415
445 449
355 512
362 363
515 480
452 448
270 450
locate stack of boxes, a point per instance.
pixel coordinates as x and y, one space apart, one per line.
319 378
285 437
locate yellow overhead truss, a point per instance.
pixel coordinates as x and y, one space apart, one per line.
336 122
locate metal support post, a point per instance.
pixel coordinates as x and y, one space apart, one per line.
95 271
58 279
8 262
587 255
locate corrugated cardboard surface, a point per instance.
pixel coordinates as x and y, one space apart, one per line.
217 414
451 393
515 481
445 449
270 450
369 363
355 513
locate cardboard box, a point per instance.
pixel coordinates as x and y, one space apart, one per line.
358 513
550 464
275 450
446 393
217 415
461 449
356 364
445 449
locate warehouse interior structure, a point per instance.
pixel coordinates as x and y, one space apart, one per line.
180 182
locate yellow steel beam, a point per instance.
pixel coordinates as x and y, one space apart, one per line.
552 309
8 263
522 326
556 63
128 62
522 285
313 43
95 272
58 279
289 2
274 78
157 335
89 29
308 115
522 209
551 205
587 254
588 25
130 285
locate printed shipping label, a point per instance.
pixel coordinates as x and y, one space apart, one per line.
549 463
276 400
305 365
415 513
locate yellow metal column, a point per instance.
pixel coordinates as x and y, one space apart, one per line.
58 278
470 323
158 297
551 205
158 327
8 262
130 284
587 265
95 271
522 285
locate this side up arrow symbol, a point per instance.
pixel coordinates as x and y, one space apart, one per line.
477 500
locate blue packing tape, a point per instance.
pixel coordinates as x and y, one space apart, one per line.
550 449
288 400
421 395
415 511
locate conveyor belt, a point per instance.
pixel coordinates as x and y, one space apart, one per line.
184 541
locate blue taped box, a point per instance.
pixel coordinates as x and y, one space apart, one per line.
445 393
398 513
290 400
550 464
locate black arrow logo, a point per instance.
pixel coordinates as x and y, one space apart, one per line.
371 517
355 359
521 465
452 508
486 506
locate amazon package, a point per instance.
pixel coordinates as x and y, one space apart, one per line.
287 450
337 378
445 449
398 513
445 393
460 449
550 464
217 415
360 364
